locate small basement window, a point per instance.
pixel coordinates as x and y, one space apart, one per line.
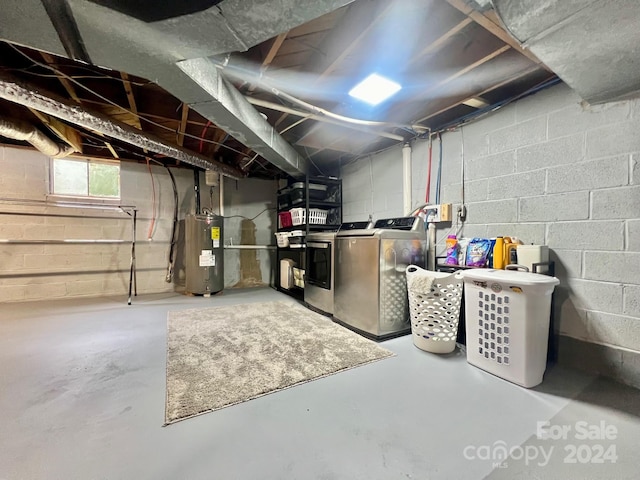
71 177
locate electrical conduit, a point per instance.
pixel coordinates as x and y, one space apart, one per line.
406 177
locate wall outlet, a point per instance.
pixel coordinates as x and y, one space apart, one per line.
437 213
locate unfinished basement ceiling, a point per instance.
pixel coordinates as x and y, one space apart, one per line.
199 74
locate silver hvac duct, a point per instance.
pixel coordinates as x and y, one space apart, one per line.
19 130
148 39
591 45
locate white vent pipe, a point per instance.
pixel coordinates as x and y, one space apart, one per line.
19 130
406 178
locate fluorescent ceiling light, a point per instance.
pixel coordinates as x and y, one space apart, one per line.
374 89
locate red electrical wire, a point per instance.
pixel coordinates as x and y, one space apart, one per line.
429 171
204 130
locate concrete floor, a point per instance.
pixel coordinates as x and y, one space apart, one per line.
83 391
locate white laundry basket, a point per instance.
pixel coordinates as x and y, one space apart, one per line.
434 307
507 322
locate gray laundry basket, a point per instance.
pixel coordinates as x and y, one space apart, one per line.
434 306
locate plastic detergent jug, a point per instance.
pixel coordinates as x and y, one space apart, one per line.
452 250
498 254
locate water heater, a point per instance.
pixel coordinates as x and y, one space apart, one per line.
204 254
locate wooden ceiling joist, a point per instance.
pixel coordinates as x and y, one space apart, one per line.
271 54
65 132
68 86
183 124
358 21
463 100
490 21
135 122
442 40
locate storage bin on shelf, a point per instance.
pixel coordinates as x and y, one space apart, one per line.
434 307
294 239
317 191
507 317
316 216
284 220
286 273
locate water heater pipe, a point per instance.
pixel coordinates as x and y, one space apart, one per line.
406 177
431 242
221 200
196 189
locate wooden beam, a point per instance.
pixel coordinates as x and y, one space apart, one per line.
131 99
353 27
495 86
183 124
271 54
68 86
111 149
471 66
494 27
62 130
440 41
104 106
218 137
71 91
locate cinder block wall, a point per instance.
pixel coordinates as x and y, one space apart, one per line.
45 271
551 170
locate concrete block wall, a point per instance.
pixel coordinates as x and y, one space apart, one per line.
550 169
372 186
45 271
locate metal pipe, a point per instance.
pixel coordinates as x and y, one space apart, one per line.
406 177
221 199
19 130
46 203
431 258
57 242
320 118
196 189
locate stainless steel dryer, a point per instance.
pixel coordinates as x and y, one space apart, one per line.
370 283
319 274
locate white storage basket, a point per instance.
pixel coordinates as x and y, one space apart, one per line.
316 216
283 239
507 323
434 306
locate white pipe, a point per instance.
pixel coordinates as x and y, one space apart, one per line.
320 118
19 130
221 199
406 178
431 255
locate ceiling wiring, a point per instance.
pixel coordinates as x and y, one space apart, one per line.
77 77
105 99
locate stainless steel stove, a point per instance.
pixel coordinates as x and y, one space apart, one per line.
320 267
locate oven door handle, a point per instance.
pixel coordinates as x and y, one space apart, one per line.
317 245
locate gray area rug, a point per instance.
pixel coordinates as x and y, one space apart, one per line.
217 357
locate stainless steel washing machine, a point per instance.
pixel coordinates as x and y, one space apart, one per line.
320 267
370 283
